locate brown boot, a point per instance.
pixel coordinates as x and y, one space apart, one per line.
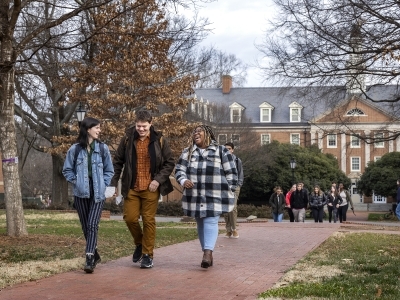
207 259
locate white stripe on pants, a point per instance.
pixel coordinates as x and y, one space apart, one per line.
89 213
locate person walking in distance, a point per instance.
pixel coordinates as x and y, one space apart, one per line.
334 201
231 217
208 175
397 211
345 195
89 168
145 160
298 203
317 202
277 203
287 200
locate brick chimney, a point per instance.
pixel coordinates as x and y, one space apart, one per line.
226 84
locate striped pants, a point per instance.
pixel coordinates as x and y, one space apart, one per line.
89 213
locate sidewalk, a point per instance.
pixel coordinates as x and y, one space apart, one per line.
242 268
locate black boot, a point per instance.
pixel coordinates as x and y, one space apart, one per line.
207 259
89 266
97 258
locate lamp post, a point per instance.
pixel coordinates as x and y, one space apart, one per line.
292 166
80 113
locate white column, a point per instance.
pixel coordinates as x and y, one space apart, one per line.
391 146
343 153
367 148
320 140
397 144
312 134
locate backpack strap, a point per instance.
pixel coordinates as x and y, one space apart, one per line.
78 149
101 144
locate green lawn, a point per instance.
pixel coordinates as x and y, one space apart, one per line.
55 244
346 266
59 236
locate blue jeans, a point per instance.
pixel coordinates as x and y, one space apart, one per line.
277 217
398 211
207 230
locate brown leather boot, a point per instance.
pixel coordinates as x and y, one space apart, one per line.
207 259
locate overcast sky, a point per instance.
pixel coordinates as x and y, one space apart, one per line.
237 26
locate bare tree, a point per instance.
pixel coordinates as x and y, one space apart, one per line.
42 103
351 47
212 64
16 39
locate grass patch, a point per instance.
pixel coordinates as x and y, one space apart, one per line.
346 266
387 217
56 244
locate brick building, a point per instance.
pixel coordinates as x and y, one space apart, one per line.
338 120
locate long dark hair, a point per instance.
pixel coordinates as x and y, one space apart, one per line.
86 124
336 193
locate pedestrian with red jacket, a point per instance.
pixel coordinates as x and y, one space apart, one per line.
287 199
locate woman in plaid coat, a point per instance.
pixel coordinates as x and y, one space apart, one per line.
208 174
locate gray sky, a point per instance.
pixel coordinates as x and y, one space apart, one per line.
237 26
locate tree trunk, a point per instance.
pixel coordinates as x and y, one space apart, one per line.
8 145
60 185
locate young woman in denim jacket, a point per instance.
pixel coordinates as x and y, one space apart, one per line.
90 172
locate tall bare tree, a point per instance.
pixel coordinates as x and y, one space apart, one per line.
41 100
15 39
213 64
348 46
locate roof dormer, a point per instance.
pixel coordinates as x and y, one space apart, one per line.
236 112
266 112
295 112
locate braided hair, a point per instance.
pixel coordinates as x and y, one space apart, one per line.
209 138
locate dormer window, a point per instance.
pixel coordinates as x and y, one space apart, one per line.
236 112
295 112
265 112
355 112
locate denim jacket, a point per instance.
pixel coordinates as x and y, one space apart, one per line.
102 172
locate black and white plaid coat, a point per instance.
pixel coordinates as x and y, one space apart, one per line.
214 176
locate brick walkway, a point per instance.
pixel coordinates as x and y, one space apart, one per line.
242 268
